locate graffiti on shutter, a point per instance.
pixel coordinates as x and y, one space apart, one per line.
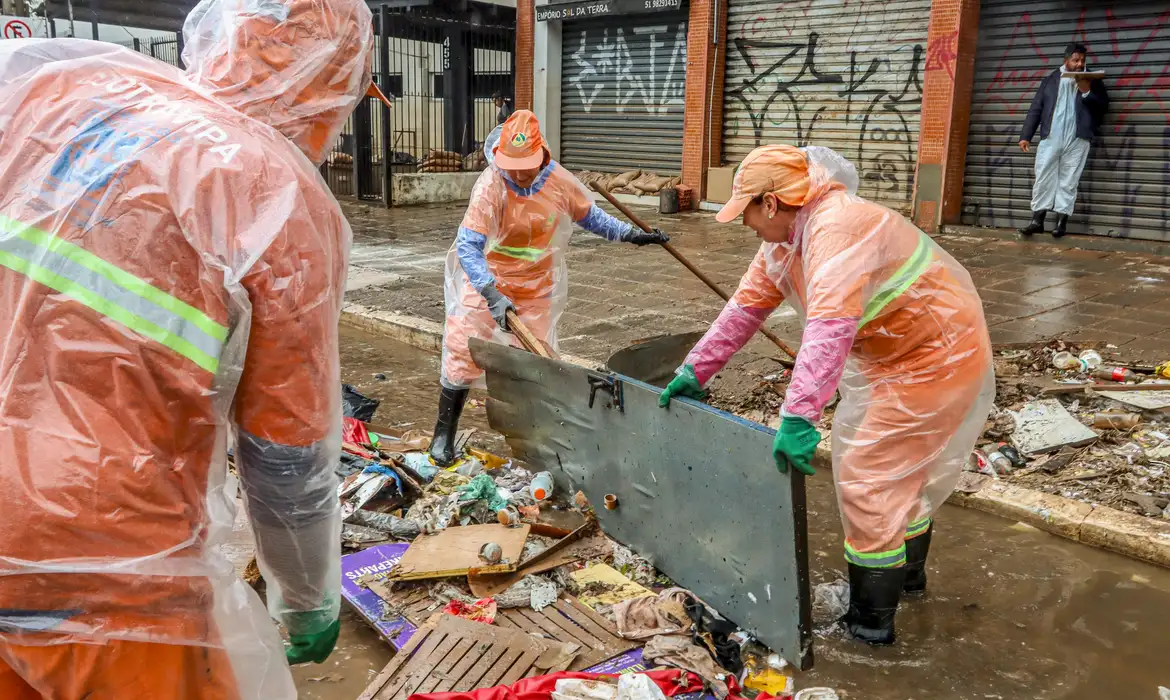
847 78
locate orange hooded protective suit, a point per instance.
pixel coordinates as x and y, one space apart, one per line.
171 274
891 320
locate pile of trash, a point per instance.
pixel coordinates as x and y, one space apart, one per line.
1082 423
445 553
1079 422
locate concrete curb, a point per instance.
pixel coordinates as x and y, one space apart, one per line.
412 330
1097 526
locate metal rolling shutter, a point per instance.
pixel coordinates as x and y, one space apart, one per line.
1125 189
826 73
622 87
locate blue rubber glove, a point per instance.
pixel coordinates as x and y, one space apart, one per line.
685 383
796 443
314 647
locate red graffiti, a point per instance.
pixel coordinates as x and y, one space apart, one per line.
942 52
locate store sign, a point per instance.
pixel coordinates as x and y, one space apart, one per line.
602 8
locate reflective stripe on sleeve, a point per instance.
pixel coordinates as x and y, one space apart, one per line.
900 281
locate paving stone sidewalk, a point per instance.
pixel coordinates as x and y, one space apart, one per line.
1032 290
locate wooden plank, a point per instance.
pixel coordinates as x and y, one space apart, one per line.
558 631
462 646
519 668
493 675
455 552
559 554
456 674
397 679
395 663
471 679
529 618
428 669
504 619
585 616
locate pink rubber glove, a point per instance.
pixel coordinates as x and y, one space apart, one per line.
819 365
735 326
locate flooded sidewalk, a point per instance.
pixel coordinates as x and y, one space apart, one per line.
1011 612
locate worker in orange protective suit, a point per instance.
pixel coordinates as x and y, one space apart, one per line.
171 275
894 323
510 254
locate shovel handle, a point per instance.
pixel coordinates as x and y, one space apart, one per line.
527 338
686 263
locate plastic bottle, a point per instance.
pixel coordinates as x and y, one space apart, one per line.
1012 454
1066 360
542 486
1115 374
1091 358
999 462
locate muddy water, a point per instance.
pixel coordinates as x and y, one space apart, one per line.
1012 612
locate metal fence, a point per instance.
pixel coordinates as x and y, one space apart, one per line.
167 48
441 75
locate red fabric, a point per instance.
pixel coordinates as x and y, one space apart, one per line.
672 683
482 610
353 430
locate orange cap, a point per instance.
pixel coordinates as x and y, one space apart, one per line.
779 169
375 91
521 145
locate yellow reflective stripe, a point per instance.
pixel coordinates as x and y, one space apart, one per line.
901 280
876 560
529 254
103 306
120 277
917 527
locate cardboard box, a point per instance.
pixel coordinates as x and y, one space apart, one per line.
719 183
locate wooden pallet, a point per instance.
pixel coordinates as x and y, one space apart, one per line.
570 621
457 655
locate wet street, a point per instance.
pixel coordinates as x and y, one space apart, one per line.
1011 612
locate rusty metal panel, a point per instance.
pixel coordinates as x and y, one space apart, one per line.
831 73
622 85
698 492
1125 188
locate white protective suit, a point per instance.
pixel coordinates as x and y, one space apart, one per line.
1060 158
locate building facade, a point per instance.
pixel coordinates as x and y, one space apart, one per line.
926 97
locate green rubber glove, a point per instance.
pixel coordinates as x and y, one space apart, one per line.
796 443
315 647
685 383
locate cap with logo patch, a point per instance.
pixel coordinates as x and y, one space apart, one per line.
521 145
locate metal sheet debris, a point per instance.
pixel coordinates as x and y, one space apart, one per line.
1147 400
697 487
1043 426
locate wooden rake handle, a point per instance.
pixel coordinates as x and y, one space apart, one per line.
527 338
686 263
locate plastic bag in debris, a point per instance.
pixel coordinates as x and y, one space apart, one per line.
482 488
831 601
890 320
631 686
357 406
173 274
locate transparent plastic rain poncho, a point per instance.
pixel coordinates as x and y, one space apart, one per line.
514 238
171 275
895 324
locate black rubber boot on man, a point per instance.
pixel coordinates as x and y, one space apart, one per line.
1061 224
1037 225
450 408
873 601
916 550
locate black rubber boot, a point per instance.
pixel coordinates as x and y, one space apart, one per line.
916 551
1061 224
450 408
873 601
1037 225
